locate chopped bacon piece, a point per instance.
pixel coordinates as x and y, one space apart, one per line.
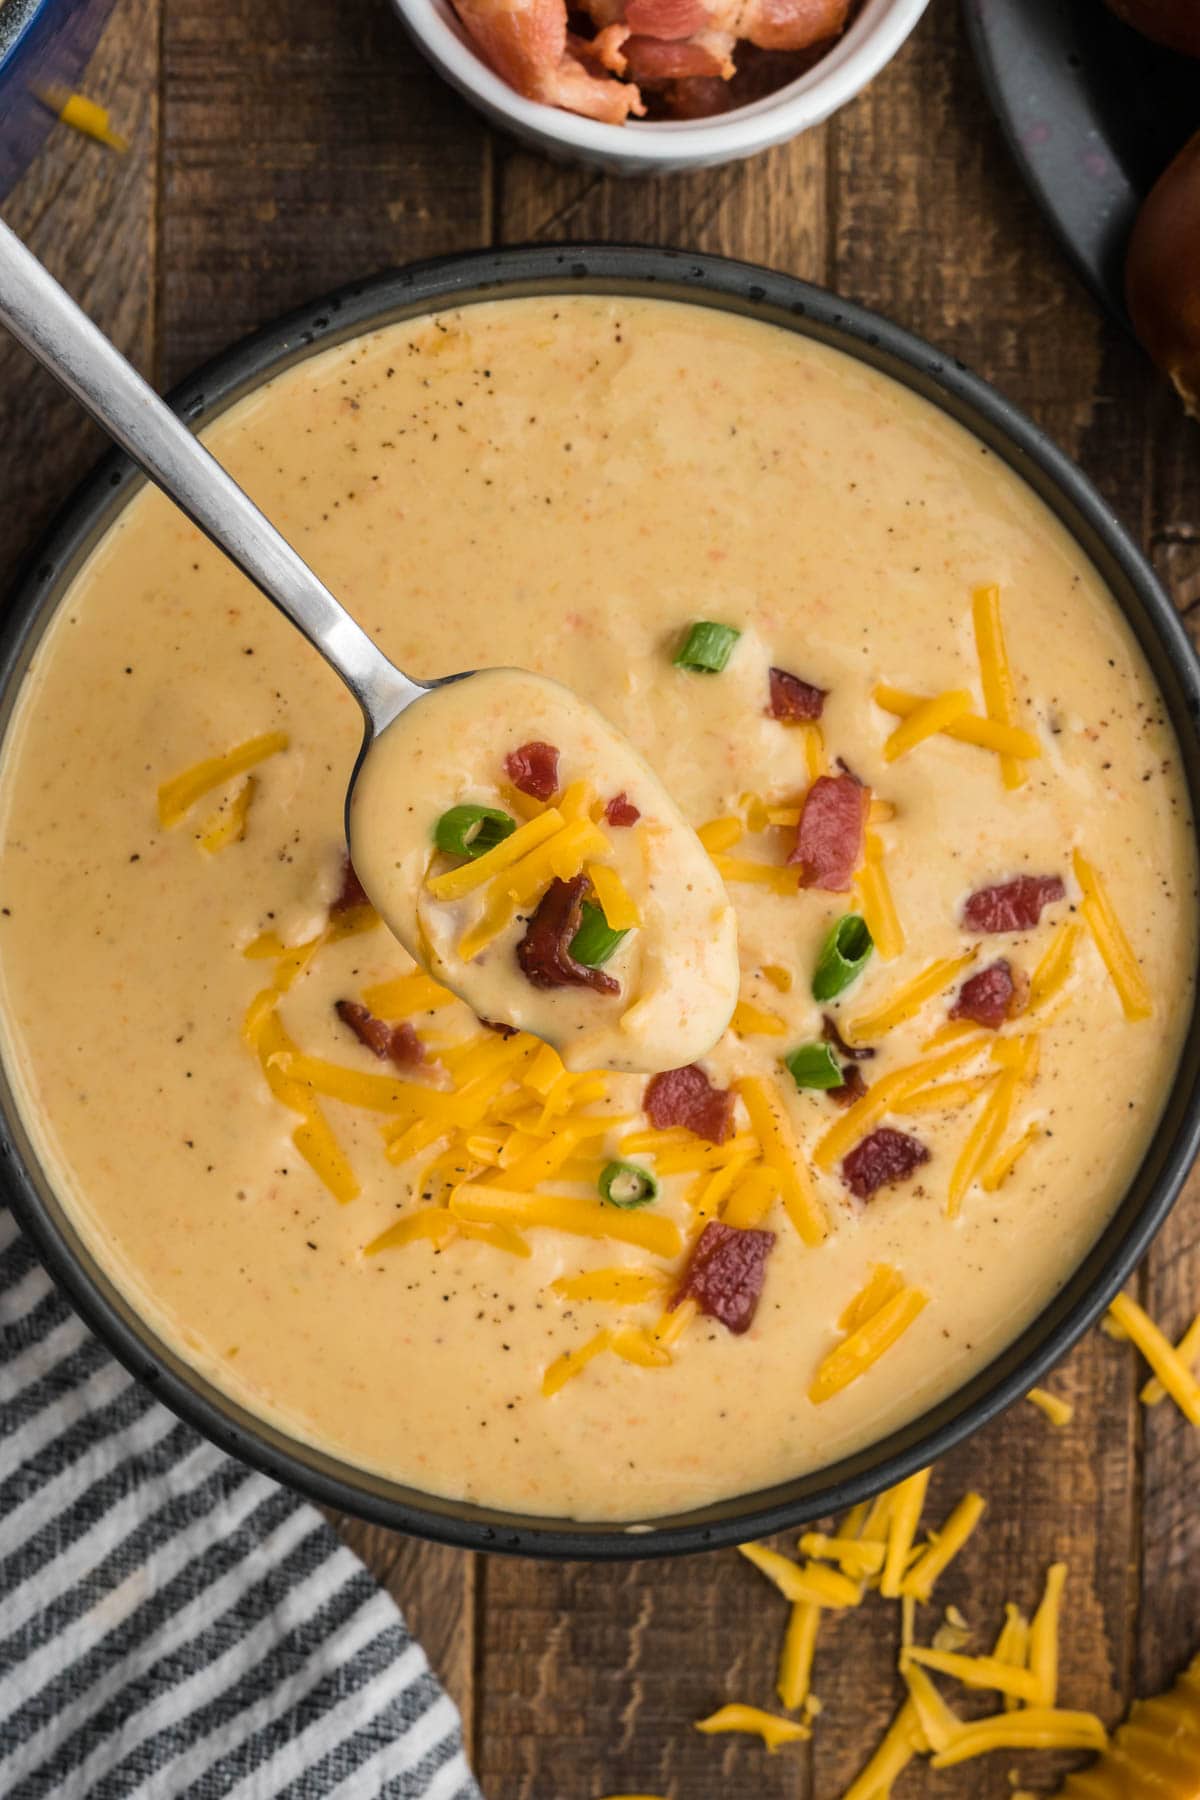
534 769
525 41
726 1273
882 1159
1012 905
652 60
791 24
698 97
831 1034
544 953
351 893
505 1031
398 1043
666 18
987 998
687 1097
794 700
853 1086
829 839
621 810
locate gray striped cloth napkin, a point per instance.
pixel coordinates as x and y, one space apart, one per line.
172 1625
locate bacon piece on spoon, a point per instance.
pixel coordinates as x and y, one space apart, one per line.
881 1160
621 810
793 700
533 768
987 998
687 1097
525 42
829 838
1012 905
726 1273
544 953
395 1043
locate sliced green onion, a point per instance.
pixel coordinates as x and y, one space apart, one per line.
844 955
470 830
595 940
627 1184
707 647
813 1066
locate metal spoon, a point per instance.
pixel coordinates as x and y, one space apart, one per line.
42 316
703 989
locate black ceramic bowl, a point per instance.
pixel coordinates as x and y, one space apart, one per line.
779 300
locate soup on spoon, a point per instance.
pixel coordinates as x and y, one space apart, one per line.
531 860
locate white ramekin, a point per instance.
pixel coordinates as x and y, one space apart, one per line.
640 148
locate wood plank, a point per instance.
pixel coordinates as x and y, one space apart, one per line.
303 145
89 214
770 210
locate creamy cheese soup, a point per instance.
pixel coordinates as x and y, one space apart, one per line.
932 772
667 989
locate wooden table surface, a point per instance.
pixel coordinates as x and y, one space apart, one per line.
280 147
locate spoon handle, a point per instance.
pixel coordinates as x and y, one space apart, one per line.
43 317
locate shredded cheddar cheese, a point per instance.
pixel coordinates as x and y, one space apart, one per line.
906 1001
882 1285
1030 1728
1005 1161
496 917
925 721
968 728
561 857
618 908
756 1021
860 1118
1059 1412
455 884
752 1198
856 1353
920 1579
875 900
908 1499
177 796
782 1154
722 834
995 672
777 876
1109 937
903 1740
1054 970
857 1560
943 1096
675 1321
623 1287
571 1363
812 1582
938 1720
228 824
980 1672
1188 1352
774 1731
491 1205
1173 1372
1043 1636
406 995
796 1660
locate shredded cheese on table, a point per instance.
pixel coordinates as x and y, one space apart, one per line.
796 1660
1188 1352
812 1582
980 1672
1030 1728
937 1718
1043 1636
1059 1412
1173 1372
774 1731
950 1539
908 1500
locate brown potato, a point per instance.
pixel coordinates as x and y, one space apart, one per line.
1162 273
1175 23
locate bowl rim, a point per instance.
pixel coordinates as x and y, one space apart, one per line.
776 298
866 47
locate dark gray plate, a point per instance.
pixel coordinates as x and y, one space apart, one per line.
1093 113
